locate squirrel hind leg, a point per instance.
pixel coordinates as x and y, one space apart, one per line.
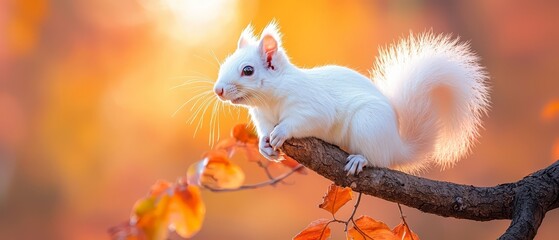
373 133
355 164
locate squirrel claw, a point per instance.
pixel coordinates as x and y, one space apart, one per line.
267 151
355 164
271 154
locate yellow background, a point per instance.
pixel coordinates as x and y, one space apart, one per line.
86 121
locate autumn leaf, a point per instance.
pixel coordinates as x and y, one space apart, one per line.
335 198
222 175
550 111
145 206
186 210
215 171
403 232
370 229
151 215
245 134
317 230
179 208
217 155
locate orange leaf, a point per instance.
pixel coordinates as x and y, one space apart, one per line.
317 230
195 171
244 133
371 229
216 156
151 215
335 198
291 163
145 206
550 111
403 232
186 210
181 209
215 171
222 175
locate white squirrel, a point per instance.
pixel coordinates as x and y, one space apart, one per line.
423 105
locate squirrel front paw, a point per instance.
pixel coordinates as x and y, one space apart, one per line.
267 151
278 136
355 164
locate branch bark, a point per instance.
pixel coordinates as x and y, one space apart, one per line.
525 201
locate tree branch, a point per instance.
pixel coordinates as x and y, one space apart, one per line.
525 201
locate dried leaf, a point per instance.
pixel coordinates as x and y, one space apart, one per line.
151 215
335 198
186 210
195 170
371 229
222 175
216 155
180 208
550 111
245 134
317 230
216 171
403 232
144 206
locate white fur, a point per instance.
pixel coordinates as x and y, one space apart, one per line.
399 119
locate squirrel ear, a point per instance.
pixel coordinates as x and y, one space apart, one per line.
247 37
270 42
268 46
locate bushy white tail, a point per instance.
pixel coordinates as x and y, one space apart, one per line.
438 90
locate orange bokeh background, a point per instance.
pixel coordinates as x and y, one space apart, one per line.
86 121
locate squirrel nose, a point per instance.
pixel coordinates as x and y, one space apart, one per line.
219 91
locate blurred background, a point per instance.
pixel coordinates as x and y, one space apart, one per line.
86 106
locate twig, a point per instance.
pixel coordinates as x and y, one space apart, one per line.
365 235
324 228
354 210
404 220
351 219
271 182
266 169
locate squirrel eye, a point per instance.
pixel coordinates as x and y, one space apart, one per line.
247 71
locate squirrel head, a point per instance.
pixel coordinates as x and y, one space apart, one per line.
251 72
